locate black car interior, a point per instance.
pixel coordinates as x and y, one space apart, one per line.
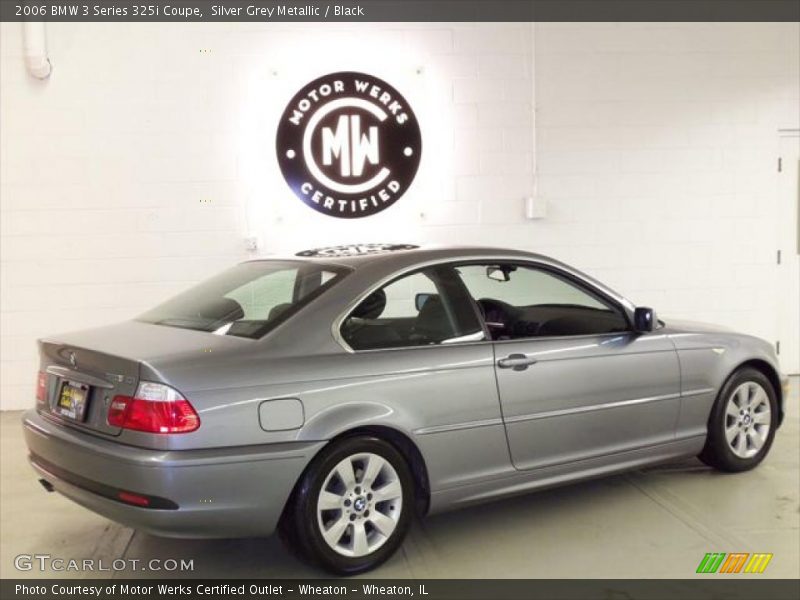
508 322
364 329
436 320
441 316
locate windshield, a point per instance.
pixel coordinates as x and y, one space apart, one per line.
247 300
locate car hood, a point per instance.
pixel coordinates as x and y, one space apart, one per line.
681 326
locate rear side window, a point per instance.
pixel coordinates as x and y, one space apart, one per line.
247 300
425 308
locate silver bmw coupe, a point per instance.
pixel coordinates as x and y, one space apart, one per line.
334 394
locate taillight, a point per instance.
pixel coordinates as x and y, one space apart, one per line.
41 387
155 408
132 498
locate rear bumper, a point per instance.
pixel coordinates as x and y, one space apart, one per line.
228 492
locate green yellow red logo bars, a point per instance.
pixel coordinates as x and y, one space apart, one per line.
734 562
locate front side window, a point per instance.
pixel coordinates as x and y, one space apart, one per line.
247 300
519 301
425 308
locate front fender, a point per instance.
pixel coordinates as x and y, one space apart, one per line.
707 360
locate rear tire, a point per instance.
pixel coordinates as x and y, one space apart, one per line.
352 507
742 424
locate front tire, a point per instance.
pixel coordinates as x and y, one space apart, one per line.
742 424
352 507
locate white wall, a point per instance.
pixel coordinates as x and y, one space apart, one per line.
142 163
658 150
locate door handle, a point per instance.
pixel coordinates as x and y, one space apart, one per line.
518 362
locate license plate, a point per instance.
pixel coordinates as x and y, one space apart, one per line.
72 400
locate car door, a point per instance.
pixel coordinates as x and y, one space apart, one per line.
420 356
575 382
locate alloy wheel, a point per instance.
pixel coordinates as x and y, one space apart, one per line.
748 419
359 504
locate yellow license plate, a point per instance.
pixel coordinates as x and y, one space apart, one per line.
72 400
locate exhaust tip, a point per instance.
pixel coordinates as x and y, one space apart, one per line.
47 485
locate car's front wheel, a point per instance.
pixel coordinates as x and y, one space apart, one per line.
353 505
742 422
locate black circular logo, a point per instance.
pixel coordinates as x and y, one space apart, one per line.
349 145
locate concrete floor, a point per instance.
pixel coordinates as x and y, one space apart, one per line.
652 523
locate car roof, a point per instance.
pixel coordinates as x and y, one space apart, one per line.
401 255
373 266
376 261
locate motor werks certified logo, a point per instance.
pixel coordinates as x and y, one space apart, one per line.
349 145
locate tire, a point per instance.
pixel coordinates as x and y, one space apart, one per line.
349 527
742 424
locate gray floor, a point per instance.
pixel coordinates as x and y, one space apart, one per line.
656 522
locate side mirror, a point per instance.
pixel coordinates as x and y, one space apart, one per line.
644 319
420 300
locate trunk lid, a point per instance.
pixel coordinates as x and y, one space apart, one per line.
103 376
110 361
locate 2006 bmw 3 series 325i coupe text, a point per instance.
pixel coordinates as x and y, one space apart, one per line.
333 394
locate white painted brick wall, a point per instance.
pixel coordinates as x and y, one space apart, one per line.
664 137
142 164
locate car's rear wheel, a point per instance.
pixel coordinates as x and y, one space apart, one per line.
353 505
742 424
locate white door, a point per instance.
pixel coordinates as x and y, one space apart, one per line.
789 240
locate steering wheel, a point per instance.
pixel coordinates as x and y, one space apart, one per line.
497 316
